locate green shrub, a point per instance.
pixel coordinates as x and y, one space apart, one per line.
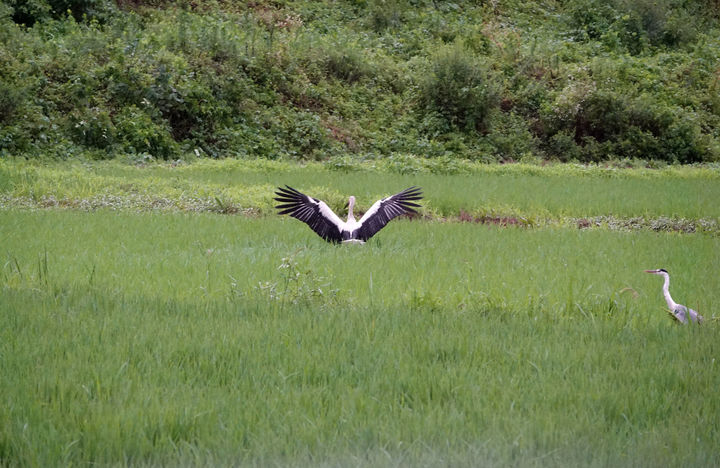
303 134
12 98
562 146
92 128
137 133
80 9
511 137
459 89
386 14
248 140
633 25
14 140
125 85
346 63
29 12
607 124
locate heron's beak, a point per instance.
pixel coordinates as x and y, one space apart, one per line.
651 271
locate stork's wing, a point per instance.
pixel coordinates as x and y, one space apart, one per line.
385 210
314 213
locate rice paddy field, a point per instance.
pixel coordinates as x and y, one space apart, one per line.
164 315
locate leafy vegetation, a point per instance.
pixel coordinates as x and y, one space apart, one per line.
581 80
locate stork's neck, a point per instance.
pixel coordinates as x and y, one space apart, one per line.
666 292
351 205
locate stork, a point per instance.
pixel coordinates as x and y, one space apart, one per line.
321 219
678 311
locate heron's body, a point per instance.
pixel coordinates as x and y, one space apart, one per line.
678 311
321 219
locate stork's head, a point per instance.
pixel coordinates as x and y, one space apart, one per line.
660 271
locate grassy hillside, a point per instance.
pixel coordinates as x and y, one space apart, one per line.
584 80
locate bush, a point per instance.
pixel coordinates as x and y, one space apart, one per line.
459 89
634 25
12 98
386 14
511 137
346 63
29 12
137 133
607 124
92 128
303 134
82 9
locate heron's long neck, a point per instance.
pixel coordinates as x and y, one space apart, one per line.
666 292
351 204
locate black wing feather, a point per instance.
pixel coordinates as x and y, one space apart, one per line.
300 206
388 209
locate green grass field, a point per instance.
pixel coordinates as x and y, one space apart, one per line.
174 337
529 191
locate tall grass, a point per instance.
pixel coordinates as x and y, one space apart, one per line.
218 254
204 339
522 190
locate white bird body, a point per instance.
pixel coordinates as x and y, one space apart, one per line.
321 219
678 311
351 224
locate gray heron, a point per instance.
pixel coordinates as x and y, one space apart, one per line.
321 219
679 311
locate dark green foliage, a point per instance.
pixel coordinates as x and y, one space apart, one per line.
597 124
11 100
385 14
28 12
581 80
459 89
346 64
92 128
136 132
80 9
636 25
